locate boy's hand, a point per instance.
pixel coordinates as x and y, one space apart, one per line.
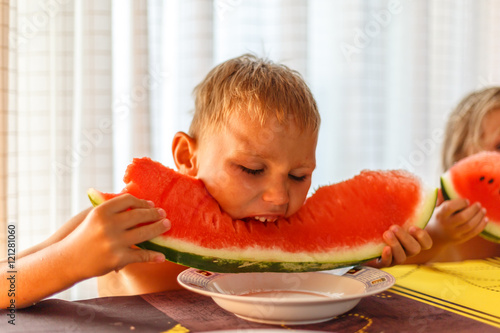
402 244
455 222
103 241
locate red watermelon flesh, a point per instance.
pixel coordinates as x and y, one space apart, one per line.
477 178
339 225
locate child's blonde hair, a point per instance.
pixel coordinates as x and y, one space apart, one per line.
256 86
464 128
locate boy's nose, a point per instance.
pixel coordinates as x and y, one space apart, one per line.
277 193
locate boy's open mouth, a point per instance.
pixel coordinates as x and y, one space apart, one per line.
262 218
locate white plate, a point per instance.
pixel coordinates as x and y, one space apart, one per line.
287 298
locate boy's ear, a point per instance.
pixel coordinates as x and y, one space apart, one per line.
184 153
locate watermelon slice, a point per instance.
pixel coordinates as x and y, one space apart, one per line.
340 225
477 178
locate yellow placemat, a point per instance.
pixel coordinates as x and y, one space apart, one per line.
470 288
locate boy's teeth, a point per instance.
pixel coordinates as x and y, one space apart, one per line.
263 219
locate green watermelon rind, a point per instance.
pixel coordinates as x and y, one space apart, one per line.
221 265
427 207
492 230
95 197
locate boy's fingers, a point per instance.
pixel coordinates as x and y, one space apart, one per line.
124 202
406 246
423 237
385 259
133 217
145 256
147 232
398 253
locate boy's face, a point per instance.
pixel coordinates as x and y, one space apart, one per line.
257 172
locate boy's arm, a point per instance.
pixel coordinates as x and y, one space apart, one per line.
62 232
45 264
37 276
97 245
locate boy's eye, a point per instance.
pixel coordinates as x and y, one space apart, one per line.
251 171
297 178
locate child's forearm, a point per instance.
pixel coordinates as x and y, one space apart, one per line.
62 232
36 276
39 271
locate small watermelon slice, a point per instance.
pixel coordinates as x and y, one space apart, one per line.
339 225
477 178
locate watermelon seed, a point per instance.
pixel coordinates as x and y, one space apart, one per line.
481 179
490 181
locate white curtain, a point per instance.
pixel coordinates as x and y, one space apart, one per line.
4 92
88 84
385 73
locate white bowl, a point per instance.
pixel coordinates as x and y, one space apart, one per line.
287 298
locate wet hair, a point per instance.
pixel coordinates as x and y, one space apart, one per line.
253 86
464 130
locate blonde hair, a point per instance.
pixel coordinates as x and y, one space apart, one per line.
257 87
464 128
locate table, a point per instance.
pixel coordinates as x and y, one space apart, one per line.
470 288
410 306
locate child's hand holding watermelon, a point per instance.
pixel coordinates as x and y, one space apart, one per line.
104 241
92 243
401 245
456 221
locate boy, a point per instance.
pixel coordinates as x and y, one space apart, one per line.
252 142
